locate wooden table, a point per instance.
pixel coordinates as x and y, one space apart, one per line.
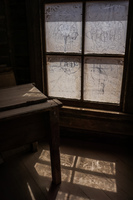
26 116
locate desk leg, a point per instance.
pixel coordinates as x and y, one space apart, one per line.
54 145
34 147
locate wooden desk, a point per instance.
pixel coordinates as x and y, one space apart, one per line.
26 116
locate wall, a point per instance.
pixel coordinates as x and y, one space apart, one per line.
14 50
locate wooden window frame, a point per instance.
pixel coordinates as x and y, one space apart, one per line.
35 11
83 118
82 103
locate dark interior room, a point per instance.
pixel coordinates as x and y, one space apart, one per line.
66 99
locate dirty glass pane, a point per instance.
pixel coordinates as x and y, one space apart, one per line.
64 76
103 79
106 25
63 24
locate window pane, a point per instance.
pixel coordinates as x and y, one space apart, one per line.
63 27
106 25
103 79
64 76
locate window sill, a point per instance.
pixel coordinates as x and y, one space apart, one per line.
96 120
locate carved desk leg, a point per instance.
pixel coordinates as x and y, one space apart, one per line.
54 145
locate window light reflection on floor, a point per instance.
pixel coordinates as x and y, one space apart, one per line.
30 191
45 170
94 181
88 172
66 159
66 196
99 166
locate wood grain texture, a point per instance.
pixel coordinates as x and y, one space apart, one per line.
22 166
54 145
28 124
96 120
16 183
20 96
37 108
23 130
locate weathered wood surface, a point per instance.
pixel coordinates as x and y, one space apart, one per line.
27 129
128 96
106 165
27 110
28 124
54 145
19 96
22 130
96 120
21 185
34 40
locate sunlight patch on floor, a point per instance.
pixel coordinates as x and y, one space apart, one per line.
45 171
66 196
93 181
88 172
93 165
66 159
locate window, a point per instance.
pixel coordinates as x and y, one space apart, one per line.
84 52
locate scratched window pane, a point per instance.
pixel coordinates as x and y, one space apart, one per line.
64 76
103 79
63 27
106 25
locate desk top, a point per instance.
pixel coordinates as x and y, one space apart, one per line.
32 109
20 96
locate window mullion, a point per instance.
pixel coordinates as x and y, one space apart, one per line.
44 69
83 42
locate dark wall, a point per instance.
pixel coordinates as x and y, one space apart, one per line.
14 47
4 43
